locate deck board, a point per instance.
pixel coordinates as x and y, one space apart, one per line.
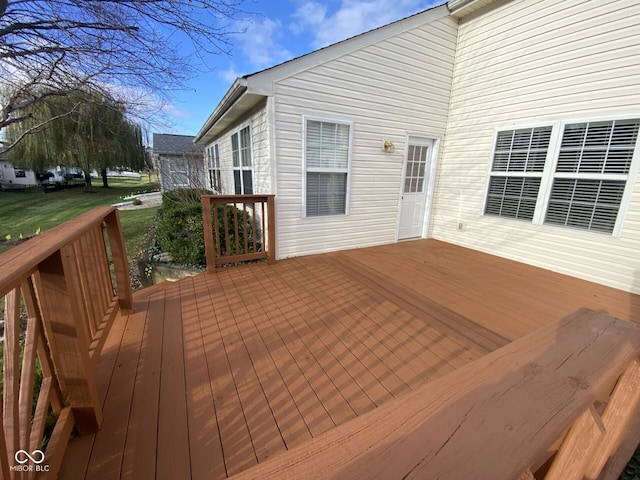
218 372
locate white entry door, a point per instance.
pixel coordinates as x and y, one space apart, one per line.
413 204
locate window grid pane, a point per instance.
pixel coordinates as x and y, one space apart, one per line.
414 174
235 150
241 151
588 149
512 197
585 204
245 147
326 193
523 150
598 147
327 145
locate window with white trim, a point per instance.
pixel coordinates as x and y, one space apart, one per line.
591 174
581 184
215 173
516 173
242 166
327 162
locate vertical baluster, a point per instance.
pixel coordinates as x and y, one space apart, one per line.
263 220
616 418
245 230
27 377
271 209
5 455
210 246
235 230
11 371
225 223
254 232
120 262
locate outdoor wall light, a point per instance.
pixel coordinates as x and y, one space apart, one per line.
388 146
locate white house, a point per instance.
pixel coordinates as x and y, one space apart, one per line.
509 127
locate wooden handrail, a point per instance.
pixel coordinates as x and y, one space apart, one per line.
60 301
502 417
241 229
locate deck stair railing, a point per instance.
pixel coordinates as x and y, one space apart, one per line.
560 404
61 293
238 228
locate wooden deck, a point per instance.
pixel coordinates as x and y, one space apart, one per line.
215 373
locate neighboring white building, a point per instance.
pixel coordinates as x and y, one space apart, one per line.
510 127
12 178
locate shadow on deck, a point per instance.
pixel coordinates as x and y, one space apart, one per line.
216 373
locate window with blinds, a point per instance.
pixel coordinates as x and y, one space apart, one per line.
516 172
584 185
327 160
242 167
591 174
215 172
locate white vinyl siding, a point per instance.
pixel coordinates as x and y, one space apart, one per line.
391 88
531 63
327 159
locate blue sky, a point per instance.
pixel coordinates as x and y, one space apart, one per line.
280 30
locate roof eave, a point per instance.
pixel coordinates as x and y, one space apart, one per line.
236 90
463 8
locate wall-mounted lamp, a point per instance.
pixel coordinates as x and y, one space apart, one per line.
388 146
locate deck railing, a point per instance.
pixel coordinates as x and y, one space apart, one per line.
61 292
238 228
561 403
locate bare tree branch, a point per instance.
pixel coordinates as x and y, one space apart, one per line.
55 47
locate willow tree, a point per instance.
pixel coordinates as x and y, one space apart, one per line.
86 130
142 48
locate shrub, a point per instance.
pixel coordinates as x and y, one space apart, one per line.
180 230
183 195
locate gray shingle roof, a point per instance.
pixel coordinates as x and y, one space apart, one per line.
165 143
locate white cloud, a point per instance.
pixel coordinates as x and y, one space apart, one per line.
230 74
260 43
351 18
309 15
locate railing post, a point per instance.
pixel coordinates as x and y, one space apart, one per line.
271 212
120 263
208 233
68 340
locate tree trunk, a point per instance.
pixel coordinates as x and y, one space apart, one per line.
87 181
105 182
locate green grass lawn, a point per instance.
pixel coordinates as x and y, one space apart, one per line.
24 213
136 225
